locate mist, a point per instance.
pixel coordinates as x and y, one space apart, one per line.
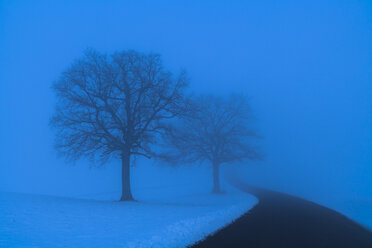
306 67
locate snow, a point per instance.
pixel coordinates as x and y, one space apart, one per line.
358 209
163 217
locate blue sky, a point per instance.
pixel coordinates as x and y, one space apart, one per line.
307 66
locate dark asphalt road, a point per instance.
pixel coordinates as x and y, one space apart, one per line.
280 220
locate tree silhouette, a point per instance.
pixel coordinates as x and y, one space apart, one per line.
114 106
216 131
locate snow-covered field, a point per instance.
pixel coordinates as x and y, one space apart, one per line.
163 217
357 209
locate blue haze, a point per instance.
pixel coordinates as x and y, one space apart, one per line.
307 67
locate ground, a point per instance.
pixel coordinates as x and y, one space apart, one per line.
358 209
163 217
283 221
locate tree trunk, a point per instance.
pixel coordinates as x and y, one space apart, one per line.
216 178
126 194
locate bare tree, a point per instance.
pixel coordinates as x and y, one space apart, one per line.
114 107
216 131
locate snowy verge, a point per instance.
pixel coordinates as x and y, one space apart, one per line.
157 220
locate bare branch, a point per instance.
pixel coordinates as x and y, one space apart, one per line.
218 130
110 103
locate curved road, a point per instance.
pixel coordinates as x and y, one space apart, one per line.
280 220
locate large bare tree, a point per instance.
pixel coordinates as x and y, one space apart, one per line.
218 131
114 106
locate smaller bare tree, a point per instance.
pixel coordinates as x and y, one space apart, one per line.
216 130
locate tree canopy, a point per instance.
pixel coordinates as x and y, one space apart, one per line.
218 130
115 105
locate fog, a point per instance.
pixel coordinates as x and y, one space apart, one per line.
306 67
